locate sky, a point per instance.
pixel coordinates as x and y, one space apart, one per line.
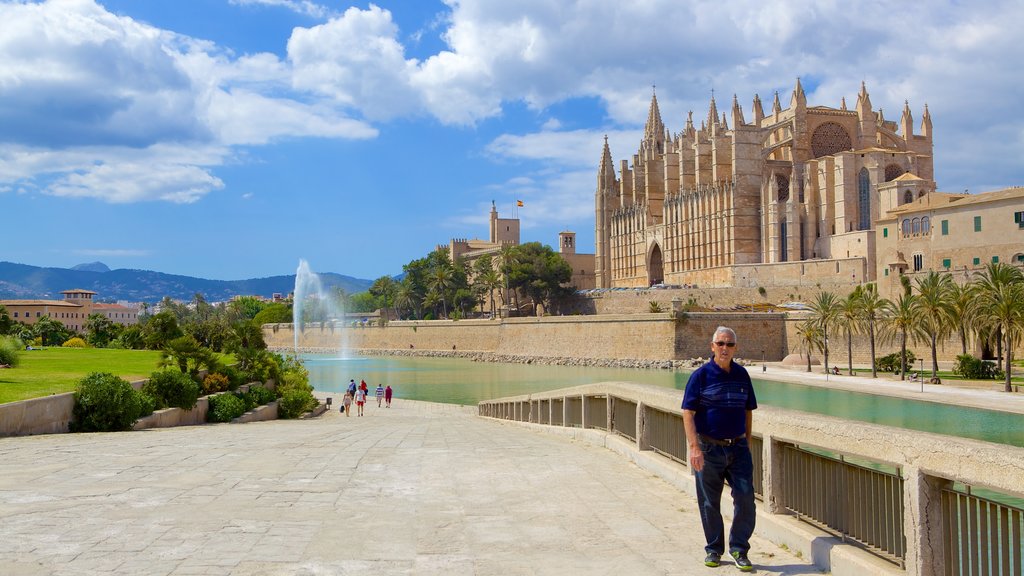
228 139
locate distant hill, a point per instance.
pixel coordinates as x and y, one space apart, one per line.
92 267
28 282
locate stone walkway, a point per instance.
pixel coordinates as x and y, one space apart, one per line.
416 489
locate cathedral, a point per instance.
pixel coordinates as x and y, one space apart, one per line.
789 198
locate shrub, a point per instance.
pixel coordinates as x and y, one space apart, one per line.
172 389
891 362
294 403
976 369
10 348
654 307
214 383
75 342
261 395
225 408
106 403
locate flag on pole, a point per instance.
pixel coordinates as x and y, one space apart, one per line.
519 203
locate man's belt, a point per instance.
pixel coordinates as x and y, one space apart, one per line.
727 442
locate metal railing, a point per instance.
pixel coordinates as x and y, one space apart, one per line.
623 417
665 434
856 502
574 412
557 412
545 412
982 537
596 414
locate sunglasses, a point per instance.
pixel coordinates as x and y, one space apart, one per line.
729 344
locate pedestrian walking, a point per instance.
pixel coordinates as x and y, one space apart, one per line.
379 392
387 396
360 400
346 404
718 407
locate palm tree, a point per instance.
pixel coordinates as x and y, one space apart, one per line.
405 299
872 310
935 311
848 317
810 335
490 279
507 259
440 281
902 318
960 298
999 308
824 313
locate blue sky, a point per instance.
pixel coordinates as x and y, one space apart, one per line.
227 139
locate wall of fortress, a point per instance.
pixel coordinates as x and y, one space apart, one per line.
633 336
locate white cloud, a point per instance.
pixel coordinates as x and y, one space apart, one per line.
304 7
126 182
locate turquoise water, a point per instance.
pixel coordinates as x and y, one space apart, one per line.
464 382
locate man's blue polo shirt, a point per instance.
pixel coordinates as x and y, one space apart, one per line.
720 400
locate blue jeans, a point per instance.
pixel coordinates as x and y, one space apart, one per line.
722 464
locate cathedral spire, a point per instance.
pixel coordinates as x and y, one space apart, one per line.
758 110
737 113
906 121
654 130
799 99
926 123
712 111
606 172
689 130
842 103
863 100
776 105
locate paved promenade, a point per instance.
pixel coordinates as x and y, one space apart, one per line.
416 489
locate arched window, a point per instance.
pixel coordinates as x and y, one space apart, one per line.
906 226
926 225
892 172
783 183
915 226
864 199
908 197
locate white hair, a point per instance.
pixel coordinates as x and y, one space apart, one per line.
724 330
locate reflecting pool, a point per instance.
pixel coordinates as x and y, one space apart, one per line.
456 381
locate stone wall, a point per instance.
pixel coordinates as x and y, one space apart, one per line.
635 336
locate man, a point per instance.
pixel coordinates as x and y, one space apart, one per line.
379 392
717 415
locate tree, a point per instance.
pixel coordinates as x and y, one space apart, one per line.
440 281
51 331
7 323
189 356
160 329
540 273
276 313
385 288
935 311
999 308
810 336
872 312
246 307
363 302
848 316
507 259
406 299
100 330
824 313
901 317
960 298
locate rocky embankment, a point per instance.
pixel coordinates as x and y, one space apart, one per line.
516 359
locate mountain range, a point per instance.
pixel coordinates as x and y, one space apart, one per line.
22 281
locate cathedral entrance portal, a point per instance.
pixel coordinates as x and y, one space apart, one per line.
656 273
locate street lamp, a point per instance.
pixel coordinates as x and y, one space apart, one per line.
920 374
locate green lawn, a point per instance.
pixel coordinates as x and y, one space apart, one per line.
56 370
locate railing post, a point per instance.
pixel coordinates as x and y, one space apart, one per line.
774 491
643 442
583 411
922 522
608 412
